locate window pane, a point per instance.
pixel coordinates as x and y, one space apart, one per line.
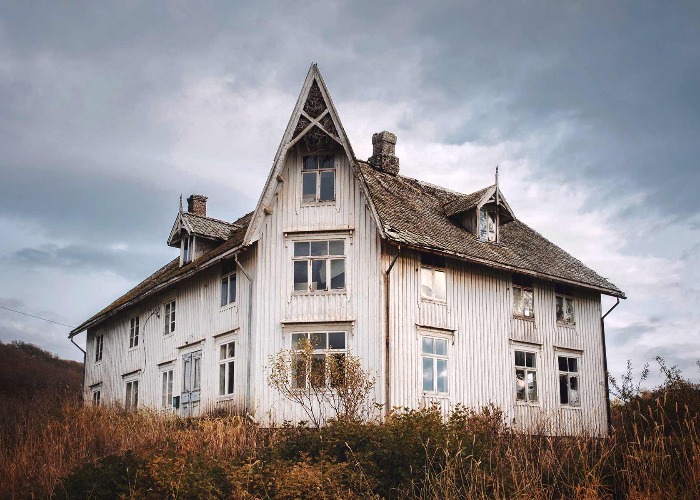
336 340
483 225
336 247
317 377
563 390
229 387
491 218
562 364
224 291
318 340
527 303
337 375
441 347
428 345
197 373
325 162
531 386
517 301
327 186
560 309
428 381
231 349
520 384
308 187
310 163
301 248
569 312
127 402
573 365
186 375
426 282
573 391
232 288
439 285
296 338
301 272
338 274
319 248
441 375
530 359
519 358
299 375
222 352
222 379
318 275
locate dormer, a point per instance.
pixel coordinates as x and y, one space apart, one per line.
481 213
196 234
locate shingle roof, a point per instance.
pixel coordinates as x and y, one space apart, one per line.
464 202
413 213
211 228
171 273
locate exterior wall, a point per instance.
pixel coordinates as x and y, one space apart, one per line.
477 320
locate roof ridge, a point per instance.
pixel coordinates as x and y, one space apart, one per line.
190 214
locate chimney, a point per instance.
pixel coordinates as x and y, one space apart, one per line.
197 204
383 153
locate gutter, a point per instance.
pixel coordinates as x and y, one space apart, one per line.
249 337
387 360
605 364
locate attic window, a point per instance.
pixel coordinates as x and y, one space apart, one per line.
487 225
433 284
187 249
318 179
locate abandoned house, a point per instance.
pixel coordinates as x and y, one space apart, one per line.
447 298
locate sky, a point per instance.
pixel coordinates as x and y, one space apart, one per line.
110 110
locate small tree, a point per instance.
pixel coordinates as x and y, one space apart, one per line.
326 385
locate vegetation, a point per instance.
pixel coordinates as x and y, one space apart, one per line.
97 452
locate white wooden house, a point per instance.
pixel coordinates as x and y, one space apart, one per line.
448 298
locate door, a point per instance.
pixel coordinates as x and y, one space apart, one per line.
191 382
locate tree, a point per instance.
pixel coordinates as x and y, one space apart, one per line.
325 385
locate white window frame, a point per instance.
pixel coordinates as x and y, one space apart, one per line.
318 352
489 217
228 364
169 310
97 396
527 370
569 375
167 382
131 397
99 347
328 259
226 281
187 245
436 272
435 358
523 288
317 196
134 332
564 298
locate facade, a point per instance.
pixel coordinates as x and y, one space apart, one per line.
447 298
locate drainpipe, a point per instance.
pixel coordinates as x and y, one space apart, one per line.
249 338
387 375
84 361
605 364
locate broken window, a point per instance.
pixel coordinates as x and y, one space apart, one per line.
526 376
132 395
318 374
133 332
99 344
167 390
169 318
432 277
523 297
227 355
319 265
569 381
565 305
487 225
318 179
228 282
434 360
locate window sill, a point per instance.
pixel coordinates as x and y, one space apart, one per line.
227 307
529 403
132 349
567 325
525 318
430 300
439 395
344 291
168 335
225 398
97 363
569 407
305 204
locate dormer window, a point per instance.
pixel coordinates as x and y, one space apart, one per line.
187 249
488 221
318 179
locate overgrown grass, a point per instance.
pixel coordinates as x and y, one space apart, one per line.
79 452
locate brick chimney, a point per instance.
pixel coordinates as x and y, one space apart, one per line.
197 204
383 156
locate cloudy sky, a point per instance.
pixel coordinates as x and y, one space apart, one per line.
109 112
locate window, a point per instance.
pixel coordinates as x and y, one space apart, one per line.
312 262
228 282
227 355
132 395
99 343
434 352
523 297
133 332
318 179
568 381
187 249
169 318
432 277
96 396
526 376
487 225
565 305
167 390
325 344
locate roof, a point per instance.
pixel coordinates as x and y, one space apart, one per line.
211 228
413 213
464 202
171 273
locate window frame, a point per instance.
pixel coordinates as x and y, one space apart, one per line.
328 259
229 364
96 396
524 284
435 357
534 369
430 263
569 374
489 215
325 352
187 249
317 171
131 402
99 347
564 297
169 316
167 384
134 332
227 276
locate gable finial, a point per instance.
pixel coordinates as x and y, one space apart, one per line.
497 193
180 202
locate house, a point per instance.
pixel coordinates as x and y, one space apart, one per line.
447 297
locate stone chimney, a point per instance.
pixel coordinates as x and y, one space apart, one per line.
197 204
383 156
